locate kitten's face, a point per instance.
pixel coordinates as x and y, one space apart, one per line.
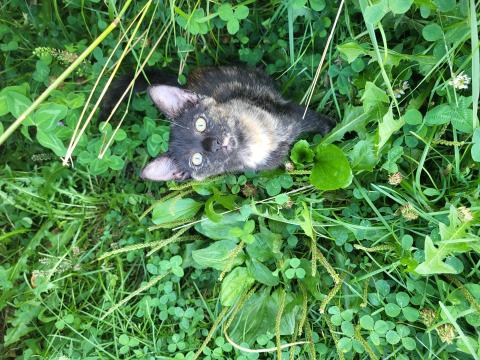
205 138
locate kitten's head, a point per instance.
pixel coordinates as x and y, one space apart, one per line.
204 138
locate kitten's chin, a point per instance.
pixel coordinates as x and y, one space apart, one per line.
198 177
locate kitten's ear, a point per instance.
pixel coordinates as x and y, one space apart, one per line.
162 169
171 99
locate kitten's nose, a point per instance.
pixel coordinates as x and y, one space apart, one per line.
211 144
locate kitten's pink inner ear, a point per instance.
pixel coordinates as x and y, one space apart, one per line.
170 99
161 169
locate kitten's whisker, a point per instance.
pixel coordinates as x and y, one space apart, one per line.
175 123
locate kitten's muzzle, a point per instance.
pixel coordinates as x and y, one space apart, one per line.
227 144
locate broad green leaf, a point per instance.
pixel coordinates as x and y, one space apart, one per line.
413 117
225 12
221 231
305 221
445 5
241 12
42 70
262 274
21 321
399 6
351 50
234 285
233 26
387 127
363 156
3 103
154 144
476 145
17 103
374 13
1 128
459 114
116 162
47 116
297 4
175 209
98 166
50 140
317 5
216 255
354 119
258 316
439 115
210 211
301 152
74 101
331 170
432 32
373 96
393 156
462 119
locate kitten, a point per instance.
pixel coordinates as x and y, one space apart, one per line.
227 119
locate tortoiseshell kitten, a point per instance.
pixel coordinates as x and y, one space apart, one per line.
227 119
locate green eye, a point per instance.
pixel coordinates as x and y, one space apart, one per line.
201 124
197 159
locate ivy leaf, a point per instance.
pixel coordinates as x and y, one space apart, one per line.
331 170
42 70
234 285
51 141
48 115
17 103
3 103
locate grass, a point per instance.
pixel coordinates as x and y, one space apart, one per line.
95 264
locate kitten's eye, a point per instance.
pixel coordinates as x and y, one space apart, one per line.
197 159
200 124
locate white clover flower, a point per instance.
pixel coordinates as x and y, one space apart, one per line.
399 92
461 81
